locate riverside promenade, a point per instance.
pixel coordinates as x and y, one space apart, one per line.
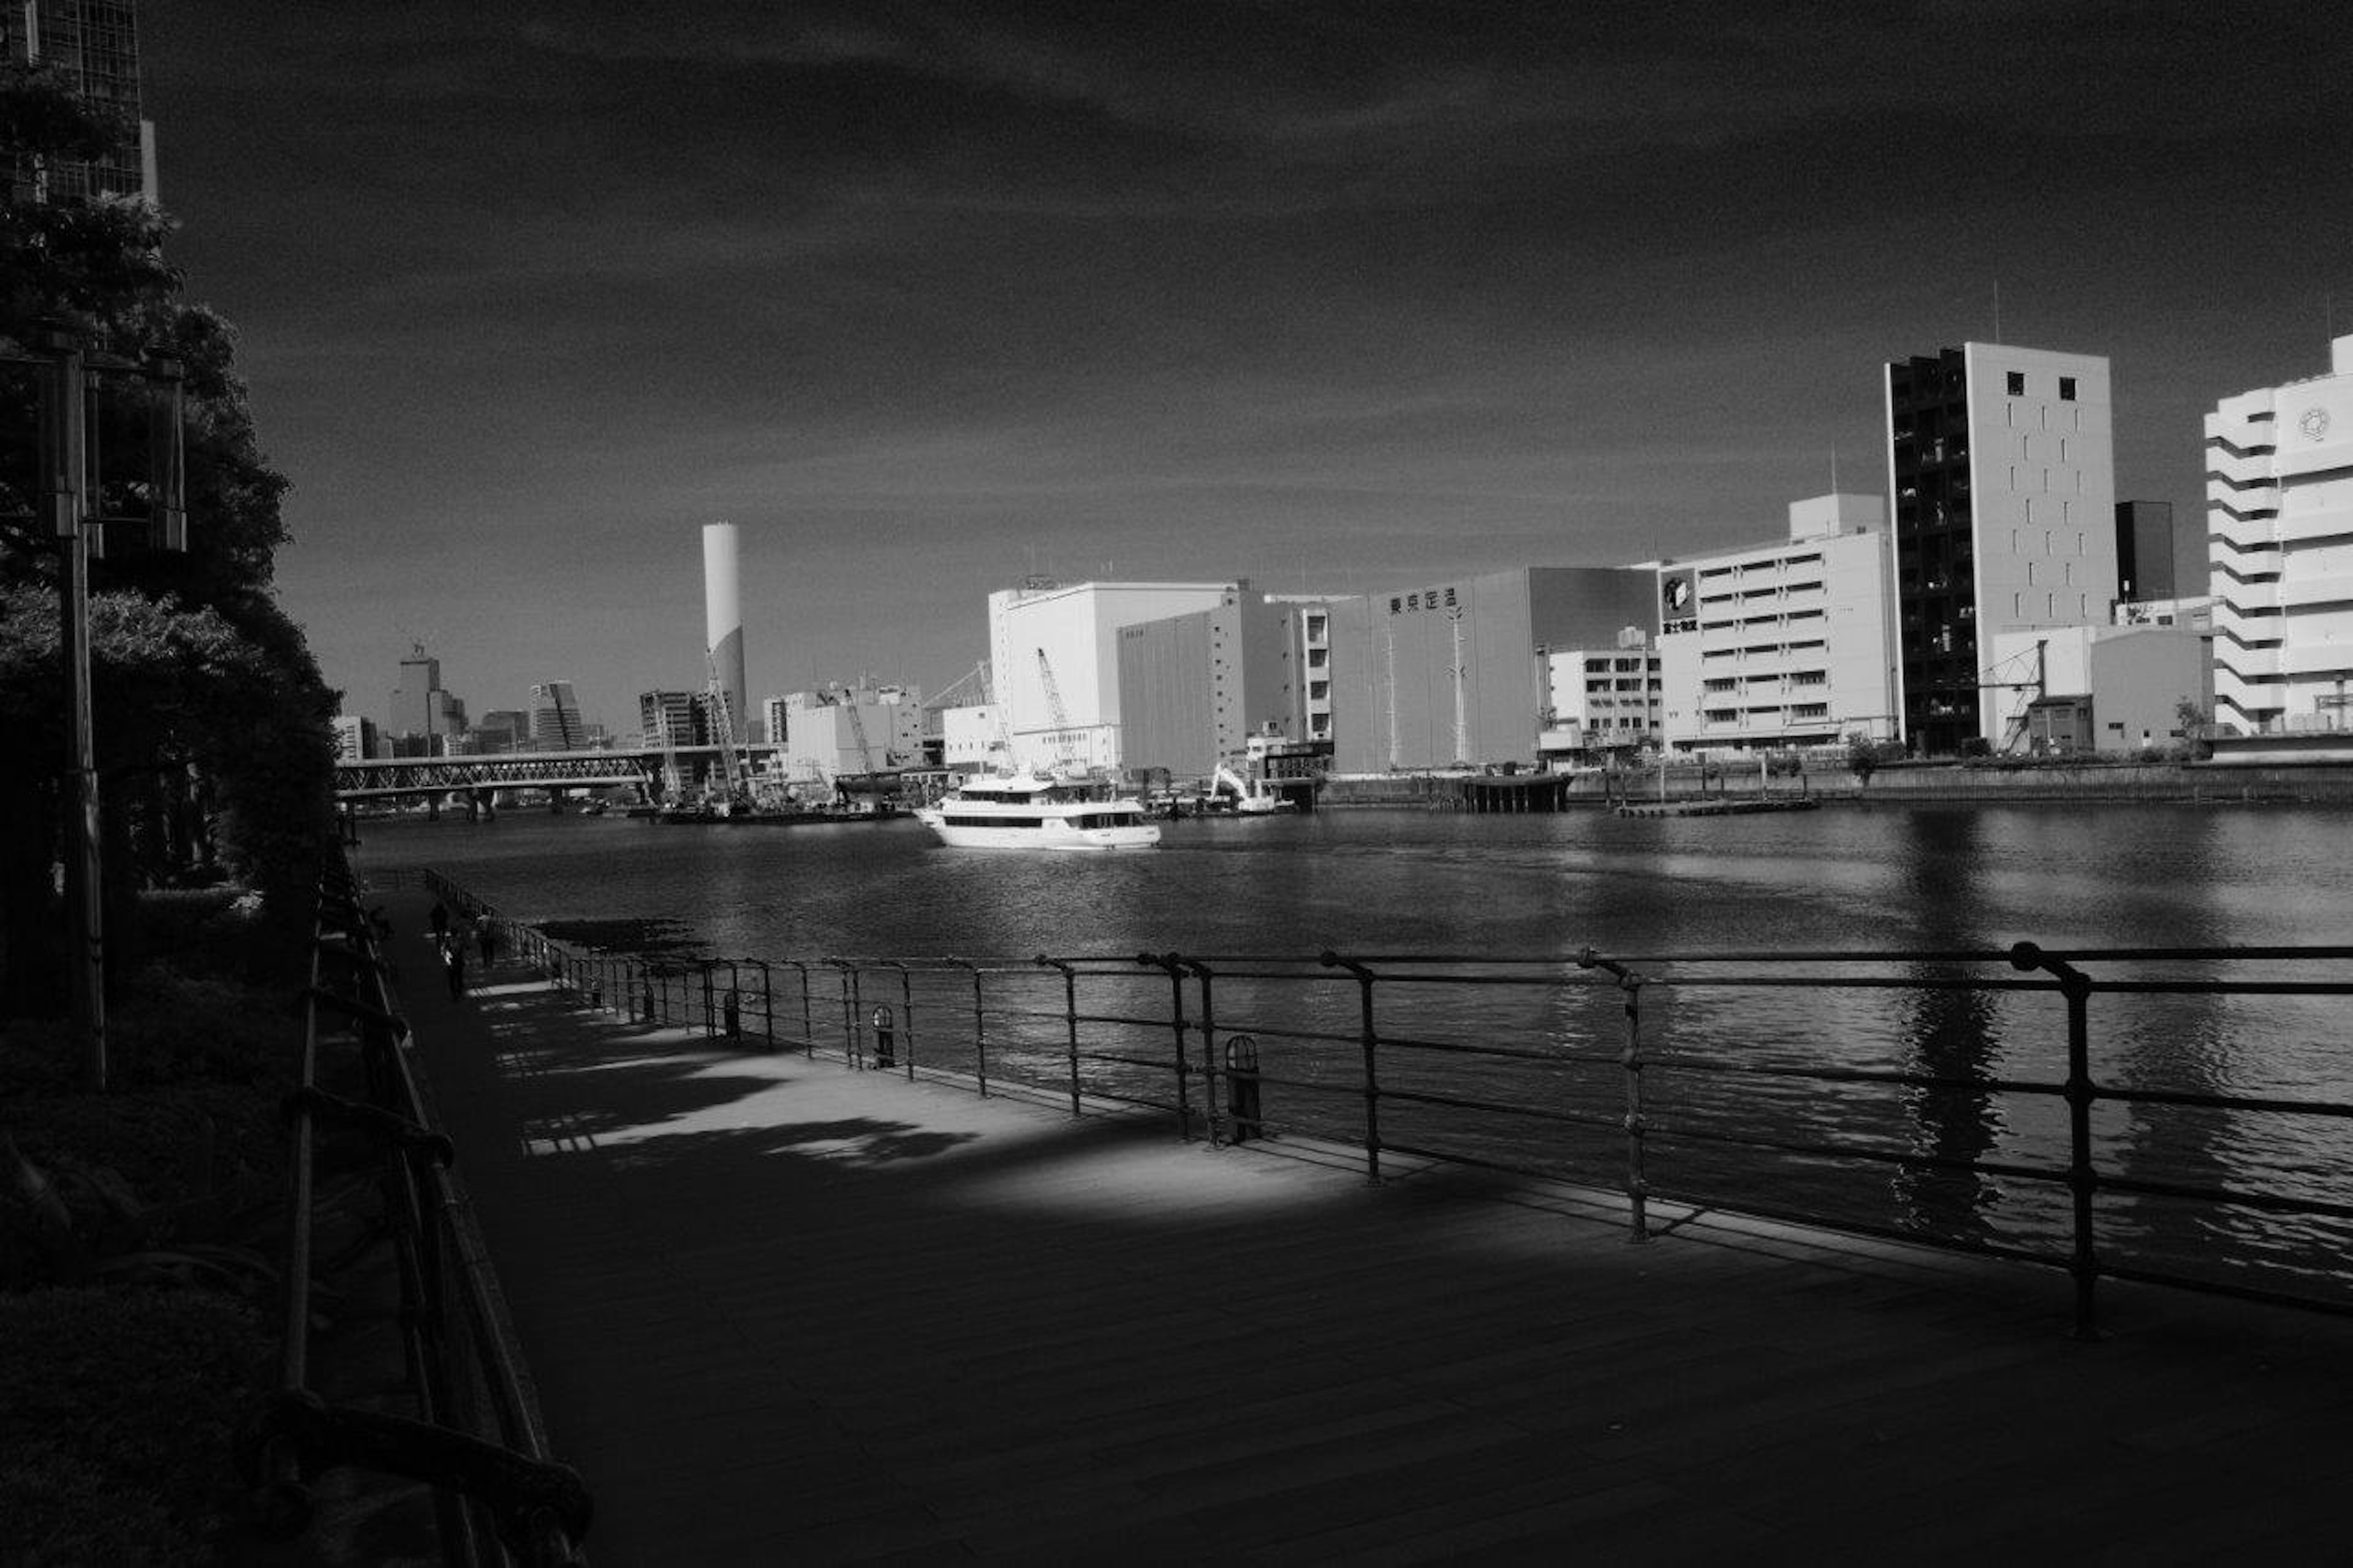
783 1312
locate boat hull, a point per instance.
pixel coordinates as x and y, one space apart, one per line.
1051 834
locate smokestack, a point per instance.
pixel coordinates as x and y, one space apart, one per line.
722 616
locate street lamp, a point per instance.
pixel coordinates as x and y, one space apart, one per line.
87 485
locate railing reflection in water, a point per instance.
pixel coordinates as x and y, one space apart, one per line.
2174 1116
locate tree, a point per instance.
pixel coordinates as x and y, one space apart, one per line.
211 719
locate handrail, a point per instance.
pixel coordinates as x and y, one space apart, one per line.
500 1497
1426 1056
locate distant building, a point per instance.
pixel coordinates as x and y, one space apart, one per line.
95 43
2279 511
851 730
1054 662
1446 672
1599 701
2003 504
672 717
555 721
1782 645
2104 688
502 729
2145 550
1194 689
356 737
422 710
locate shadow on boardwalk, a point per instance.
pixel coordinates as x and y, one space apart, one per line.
780 1310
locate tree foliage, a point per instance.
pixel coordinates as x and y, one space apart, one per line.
211 719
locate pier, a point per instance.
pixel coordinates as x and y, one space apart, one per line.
781 1310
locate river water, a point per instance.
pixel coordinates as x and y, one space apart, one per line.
1880 877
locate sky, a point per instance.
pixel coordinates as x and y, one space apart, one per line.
926 297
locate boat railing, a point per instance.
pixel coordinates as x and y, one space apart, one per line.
2047 1106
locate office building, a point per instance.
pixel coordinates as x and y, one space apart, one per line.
673 719
2002 483
427 718
356 737
95 44
1786 644
2145 551
2279 524
1054 663
555 721
1600 702
1447 672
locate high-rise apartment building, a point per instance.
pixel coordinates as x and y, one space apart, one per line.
2002 480
555 721
95 44
2279 522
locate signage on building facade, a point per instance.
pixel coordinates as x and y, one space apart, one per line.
1678 601
1427 599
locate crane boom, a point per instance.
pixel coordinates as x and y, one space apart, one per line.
1055 710
723 724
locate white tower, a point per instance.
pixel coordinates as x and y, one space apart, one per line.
722 614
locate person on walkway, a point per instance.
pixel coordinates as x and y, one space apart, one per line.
439 919
486 936
453 953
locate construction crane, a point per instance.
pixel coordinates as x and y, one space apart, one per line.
848 699
1054 710
722 725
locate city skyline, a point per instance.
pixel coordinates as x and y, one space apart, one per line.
925 299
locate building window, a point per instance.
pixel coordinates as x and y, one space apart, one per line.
2066 389
2018 384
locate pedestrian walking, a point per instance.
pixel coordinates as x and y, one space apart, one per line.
486 936
453 953
440 920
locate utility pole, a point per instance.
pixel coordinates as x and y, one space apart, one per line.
64 455
72 461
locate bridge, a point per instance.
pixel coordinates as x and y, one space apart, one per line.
387 777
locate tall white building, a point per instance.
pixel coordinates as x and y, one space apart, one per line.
2279 521
1053 659
1786 644
2002 479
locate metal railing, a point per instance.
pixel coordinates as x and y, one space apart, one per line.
1960 1100
476 1438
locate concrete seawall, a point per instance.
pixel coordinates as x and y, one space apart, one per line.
2196 783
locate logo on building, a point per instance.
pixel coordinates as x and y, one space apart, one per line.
2315 423
1676 593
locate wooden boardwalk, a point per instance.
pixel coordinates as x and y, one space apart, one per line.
780 1311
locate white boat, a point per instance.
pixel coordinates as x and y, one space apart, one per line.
1023 811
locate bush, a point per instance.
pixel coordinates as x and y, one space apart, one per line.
118 1414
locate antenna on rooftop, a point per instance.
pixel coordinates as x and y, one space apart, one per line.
1997 310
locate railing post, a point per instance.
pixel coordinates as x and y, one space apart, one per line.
1071 1013
1371 1043
1209 1050
704 966
2083 1178
979 1028
1175 968
907 1010
1638 1186
767 1006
